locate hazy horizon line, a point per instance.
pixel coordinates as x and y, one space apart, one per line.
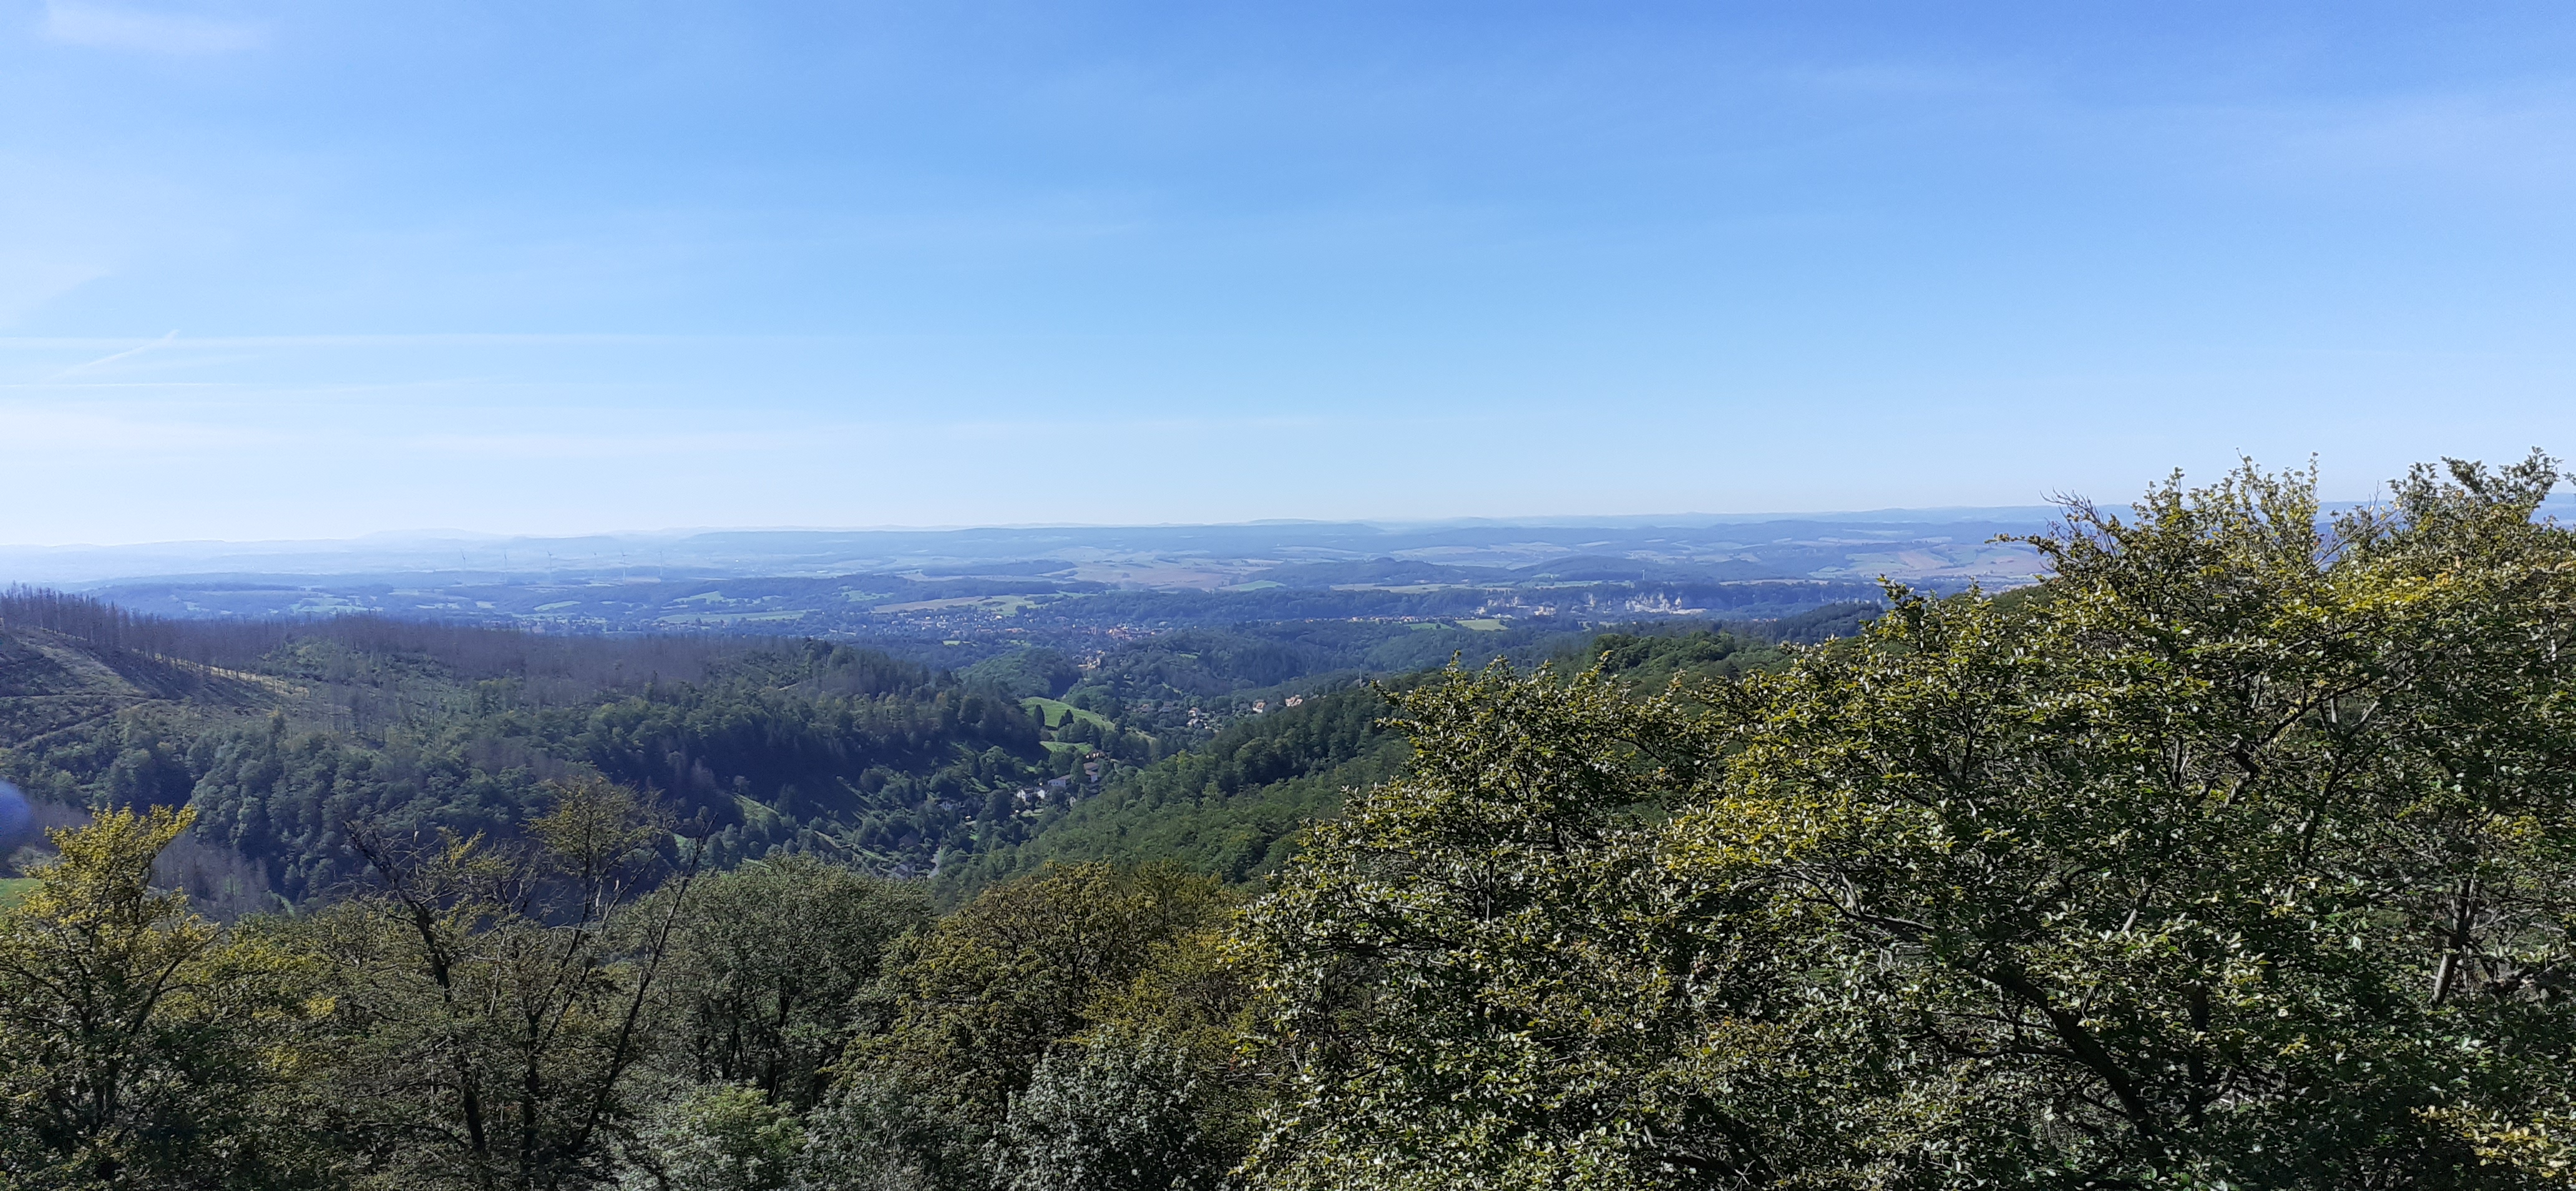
1898 514
1925 514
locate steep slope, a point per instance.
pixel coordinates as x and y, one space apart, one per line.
51 682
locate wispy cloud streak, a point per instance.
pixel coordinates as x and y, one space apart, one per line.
176 35
112 357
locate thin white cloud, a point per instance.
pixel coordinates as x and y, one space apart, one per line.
2506 137
147 345
178 35
603 445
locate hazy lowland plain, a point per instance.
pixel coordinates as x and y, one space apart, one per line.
988 584
2227 841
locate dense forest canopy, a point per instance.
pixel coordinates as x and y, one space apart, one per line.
280 733
2238 851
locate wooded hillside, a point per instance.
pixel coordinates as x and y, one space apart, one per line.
2240 851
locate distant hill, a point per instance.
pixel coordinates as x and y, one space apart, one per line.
1382 572
285 734
1203 744
1233 805
1227 550
51 682
1334 596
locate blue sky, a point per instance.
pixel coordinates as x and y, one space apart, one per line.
323 269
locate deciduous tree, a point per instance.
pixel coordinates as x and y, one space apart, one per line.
141 1045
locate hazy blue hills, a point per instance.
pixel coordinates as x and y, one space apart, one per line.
1152 556
954 597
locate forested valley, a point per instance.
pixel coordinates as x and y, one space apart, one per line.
2237 851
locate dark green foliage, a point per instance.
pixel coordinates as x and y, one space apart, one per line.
141 1046
769 963
790 748
717 1137
1119 1111
1205 662
1231 807
1484 977
2240 851
1649 657
1036 672
2238 855
1008 990
888 1129
489 1005
980 997
807 756
1814 626
1651 663
286 799
1229 668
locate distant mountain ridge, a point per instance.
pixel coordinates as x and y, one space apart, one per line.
722 552
815 552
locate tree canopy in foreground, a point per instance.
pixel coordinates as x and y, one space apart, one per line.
2238 851
2241 850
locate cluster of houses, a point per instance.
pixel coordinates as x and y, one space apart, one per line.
1029 799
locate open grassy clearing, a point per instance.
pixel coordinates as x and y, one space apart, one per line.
1006 605
1054 711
